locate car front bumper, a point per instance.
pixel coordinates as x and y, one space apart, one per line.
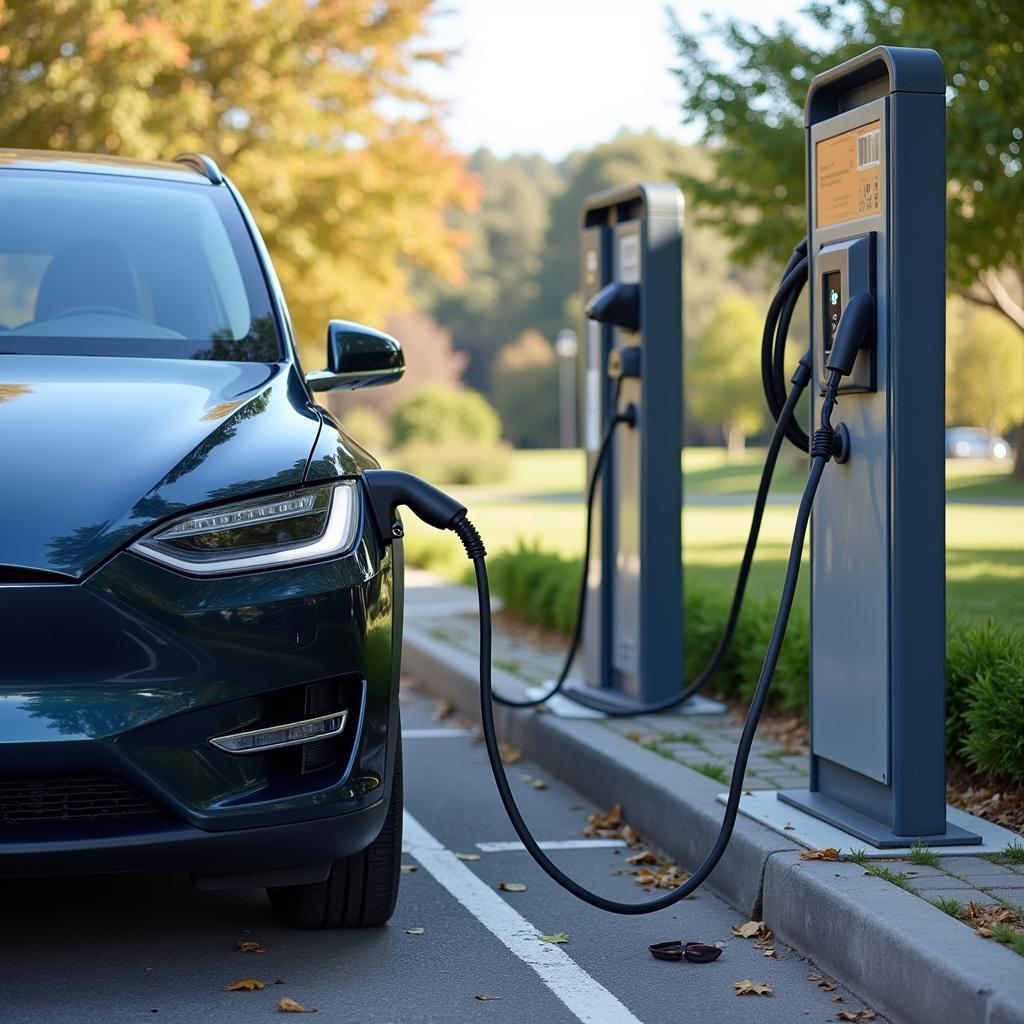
111 689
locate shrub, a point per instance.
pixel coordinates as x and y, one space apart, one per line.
995 712
462 462
367 426
441 415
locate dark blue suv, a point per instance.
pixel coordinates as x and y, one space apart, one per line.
200 631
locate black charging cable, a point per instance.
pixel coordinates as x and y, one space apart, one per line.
387 489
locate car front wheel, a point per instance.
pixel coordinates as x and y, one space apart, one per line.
361 890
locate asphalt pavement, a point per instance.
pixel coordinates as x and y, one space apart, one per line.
149 948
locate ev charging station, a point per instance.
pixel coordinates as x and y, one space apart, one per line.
875 159
632 273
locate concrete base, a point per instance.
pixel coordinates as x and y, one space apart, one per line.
816 834
592 702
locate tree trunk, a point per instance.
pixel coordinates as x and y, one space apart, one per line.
736 442
1018 465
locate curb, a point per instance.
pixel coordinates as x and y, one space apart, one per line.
904 956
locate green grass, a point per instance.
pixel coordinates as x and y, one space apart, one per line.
541 503
922 856
899 878
712 771
950 906
1012 854
857 856
1007 935
693 738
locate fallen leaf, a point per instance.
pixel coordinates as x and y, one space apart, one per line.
831 853
611 818
539 784
789 828
510 754
443 708
814 976
752 930
286 1005
481 998
838 999
414 931
244 985
746 987
856 1015
770 951
467 856
251 947
512 887
985 933
644 857
826 986
556 938
408 869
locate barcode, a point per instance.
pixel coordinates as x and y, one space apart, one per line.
869 149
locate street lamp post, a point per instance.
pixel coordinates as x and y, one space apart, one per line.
566 346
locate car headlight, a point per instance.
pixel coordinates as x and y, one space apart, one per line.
266 533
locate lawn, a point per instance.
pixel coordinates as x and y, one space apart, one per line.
540 504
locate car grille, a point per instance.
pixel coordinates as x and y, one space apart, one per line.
40 799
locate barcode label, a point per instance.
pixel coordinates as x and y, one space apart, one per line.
869 150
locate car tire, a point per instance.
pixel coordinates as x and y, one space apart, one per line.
361 890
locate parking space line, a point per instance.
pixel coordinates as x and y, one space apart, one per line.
588 1000
551 844
434 734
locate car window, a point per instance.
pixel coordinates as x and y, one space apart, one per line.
102 264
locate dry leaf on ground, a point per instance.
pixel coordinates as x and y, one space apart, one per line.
286 1005
665 876
856 1015
510 754
251 947
539 784
612 818
746 987
752 930
415 931
443 709
512 887
826 986
244 985
480 997
555 938
828 854
467 856
644 857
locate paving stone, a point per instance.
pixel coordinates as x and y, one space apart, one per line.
935 883
1014 896
963 896
978 871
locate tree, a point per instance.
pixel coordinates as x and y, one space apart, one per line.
439 415
984 369
307 104
723 374
751 112
524 383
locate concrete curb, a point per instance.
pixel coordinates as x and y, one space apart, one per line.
907 958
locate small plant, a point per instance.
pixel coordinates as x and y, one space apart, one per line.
857 856
683 737
1013 854
1007 935
506 665
899 878
950 906
656 748
439 634
922 856
712 771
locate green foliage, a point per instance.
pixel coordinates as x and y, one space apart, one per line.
950 906
438 414
1007 935
310 107
524 386
713 771
723 373
921 855
857 856
1014 853
900 878
995 711
454 462
368 427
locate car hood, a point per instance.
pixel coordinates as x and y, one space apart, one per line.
94 450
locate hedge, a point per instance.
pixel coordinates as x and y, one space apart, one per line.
984 663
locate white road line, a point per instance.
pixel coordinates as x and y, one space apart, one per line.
434 734
551 844
589 1001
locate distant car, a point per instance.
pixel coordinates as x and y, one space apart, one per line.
200 629
975 443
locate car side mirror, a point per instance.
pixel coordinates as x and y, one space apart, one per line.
357 357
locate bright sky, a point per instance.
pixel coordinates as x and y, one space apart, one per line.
550 76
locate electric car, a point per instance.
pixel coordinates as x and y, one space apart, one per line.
199 629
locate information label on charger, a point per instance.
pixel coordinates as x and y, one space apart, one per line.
848 175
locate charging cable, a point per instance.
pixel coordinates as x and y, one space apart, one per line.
386 490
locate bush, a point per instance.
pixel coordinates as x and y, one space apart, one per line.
995 710
367 426
441 415
463 462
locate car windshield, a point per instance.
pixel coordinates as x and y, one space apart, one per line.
96 264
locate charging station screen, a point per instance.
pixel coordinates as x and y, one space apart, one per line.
832 307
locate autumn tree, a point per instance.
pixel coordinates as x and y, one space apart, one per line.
750 109
524 385
308 105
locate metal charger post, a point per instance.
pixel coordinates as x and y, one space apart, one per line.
632 242
876 214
